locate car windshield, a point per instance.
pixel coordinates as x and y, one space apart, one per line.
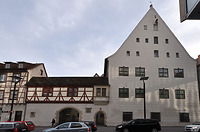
131 121
29 123
196 123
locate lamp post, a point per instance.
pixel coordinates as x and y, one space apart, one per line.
17 80
144 78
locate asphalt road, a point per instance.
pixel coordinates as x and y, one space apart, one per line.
112 129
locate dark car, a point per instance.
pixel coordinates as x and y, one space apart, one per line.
140 125
92 125
13 127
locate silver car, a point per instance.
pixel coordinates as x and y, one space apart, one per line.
70 127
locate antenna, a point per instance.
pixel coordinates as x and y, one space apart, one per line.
151 3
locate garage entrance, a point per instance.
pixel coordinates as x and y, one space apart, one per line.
68 114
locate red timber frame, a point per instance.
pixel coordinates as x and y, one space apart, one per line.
60 95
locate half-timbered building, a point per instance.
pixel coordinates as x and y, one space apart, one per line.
7 71
67 99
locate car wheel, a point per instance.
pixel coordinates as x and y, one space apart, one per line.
125 130
154 130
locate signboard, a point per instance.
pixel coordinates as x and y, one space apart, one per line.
189 9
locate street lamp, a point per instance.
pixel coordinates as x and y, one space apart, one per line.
144 78
17 80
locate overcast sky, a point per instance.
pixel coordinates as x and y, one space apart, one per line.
73 37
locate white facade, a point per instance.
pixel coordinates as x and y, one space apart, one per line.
138 51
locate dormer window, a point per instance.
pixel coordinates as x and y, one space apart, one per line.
20 66
7 66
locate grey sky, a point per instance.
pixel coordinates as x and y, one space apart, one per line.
73 37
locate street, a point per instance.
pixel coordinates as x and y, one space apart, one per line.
112 129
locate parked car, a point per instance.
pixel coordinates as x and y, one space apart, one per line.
13 127
92 125
29 124
195 127
70 127
140 125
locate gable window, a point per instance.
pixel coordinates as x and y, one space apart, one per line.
137 39
72 92
1 94
164 93
178 73
184 117
47 92
145 27
146 40
177 55
139 93
3 77
155 27
155 40
137 53
128 53
156 53
180 94
123 93
167 54
127 116
166 41
15 96
41 72
139 71
123 71
163 72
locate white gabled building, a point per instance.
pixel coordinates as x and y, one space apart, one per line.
152 50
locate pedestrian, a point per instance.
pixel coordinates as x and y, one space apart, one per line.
53 122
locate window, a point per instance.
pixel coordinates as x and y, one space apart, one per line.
32 114
177 55
163 72
180 94
155 27
7 66
179 73
15 96
47 92
1 94
155 115
72 92
20 66
101 92
16 75
155 40
3 77
164 93
137 39
88 110
41 72
127 116
123 93
123 71
166 41
167 54
128 53
139 71
145 27
184 117
139 93
137 53
156 53
146 40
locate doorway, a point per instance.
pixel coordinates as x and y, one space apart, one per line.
68 115
100 118
18 115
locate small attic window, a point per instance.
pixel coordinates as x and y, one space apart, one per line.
138 40
128 53
7 66
20 66
41 72
145 27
